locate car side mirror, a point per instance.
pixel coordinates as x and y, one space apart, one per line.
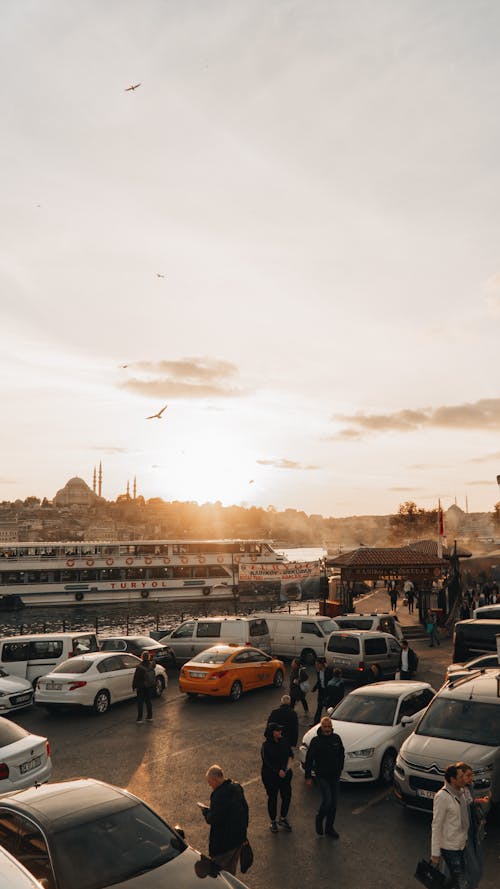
407 720
178 829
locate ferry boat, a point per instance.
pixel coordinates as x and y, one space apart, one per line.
127 571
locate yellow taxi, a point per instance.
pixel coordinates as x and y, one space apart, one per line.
229 670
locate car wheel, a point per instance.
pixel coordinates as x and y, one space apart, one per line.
387 767
308 657
278 679
236 691
159 686
102 702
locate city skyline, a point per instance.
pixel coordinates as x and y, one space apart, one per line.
288 233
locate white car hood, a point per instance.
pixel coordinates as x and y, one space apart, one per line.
11 684
423 749
355 735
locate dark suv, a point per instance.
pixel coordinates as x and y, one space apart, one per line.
163 655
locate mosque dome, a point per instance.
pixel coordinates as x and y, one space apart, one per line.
76 492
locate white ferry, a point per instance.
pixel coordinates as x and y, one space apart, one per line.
116 572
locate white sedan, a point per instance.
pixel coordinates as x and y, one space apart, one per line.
95 680
373 721
15 692
24 758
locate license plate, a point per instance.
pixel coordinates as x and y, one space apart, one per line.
22 698
341 660
195 674
29 766
55 686
427 794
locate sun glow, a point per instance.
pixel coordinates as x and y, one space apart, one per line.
210 470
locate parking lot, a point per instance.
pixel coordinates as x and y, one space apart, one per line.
165 763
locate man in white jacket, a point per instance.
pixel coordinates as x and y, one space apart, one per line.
450 825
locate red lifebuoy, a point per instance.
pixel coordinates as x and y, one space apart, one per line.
109 561
70 562
89 562
206 590
253 558
201 560
148 560
220 559
166 561
237 560
129 561
184 560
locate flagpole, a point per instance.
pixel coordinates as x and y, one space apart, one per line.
440 530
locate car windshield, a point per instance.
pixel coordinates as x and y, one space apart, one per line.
212 656
327 627
366 709
114 848
462 720
74 665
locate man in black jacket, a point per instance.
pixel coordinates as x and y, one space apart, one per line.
277 755
408 661
227 816
286 717
325 757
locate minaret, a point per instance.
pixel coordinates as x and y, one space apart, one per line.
94 482
128 490
135 487
99 491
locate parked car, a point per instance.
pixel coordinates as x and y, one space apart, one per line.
193 636
299 635
484 662
13 875
85 834
15 692
474 637
137 645
363 655
96 680
230 670
24 758
381 622
373 722
462 724
34 655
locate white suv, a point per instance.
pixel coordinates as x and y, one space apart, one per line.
383 623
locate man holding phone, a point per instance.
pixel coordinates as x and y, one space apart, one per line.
227 816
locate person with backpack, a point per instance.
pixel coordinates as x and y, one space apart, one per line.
227 816
143 683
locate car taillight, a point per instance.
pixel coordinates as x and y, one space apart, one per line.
47 748
71 653
4 770
76 685
249 644
218 675
379 628
361 666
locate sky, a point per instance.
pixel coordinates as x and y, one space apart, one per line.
288 233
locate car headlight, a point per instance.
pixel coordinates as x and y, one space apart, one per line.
358 754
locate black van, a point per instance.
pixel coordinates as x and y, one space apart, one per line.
473 637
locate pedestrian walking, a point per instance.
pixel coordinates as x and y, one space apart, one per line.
299 681
408 661
277 757
409 591
450 826
227 816
432 629
143 683
477 817
393 593
286 717
335 688
323 676
325 757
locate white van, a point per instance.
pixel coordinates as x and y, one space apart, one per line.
33 656
196 635
299 635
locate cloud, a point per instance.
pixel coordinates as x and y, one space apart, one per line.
8 481
491 289
282 463
488 483
483 414
486 458
110 449
403 490
186 378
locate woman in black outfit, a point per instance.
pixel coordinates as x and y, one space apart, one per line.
277 756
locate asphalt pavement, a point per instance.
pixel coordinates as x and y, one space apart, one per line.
165 763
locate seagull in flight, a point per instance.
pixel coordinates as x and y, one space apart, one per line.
159 276
251 481
158 415
132 87
123 365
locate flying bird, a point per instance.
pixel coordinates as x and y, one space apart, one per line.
123 365
158 415
159 276
132 87
251 481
